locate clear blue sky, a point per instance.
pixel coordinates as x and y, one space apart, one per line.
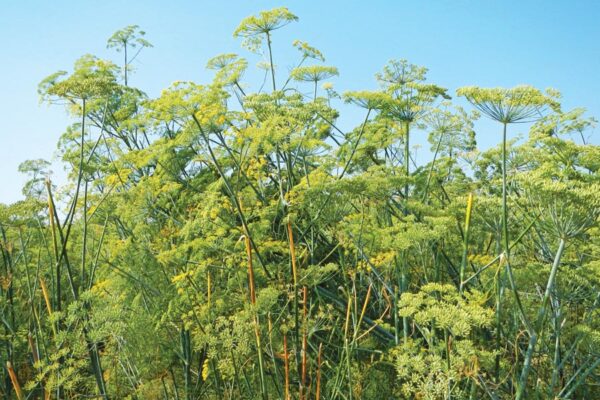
487 43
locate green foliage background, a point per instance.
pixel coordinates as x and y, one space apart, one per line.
219 243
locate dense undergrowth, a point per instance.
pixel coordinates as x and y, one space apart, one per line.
217 243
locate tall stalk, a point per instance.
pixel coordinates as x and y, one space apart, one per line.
263 387
537 329
286 360
505 239
318 387
404 267
271 60
295 292
15 381
186 351
463 262
407 159
125 62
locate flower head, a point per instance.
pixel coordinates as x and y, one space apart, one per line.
519 104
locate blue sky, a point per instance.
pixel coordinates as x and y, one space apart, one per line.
486 43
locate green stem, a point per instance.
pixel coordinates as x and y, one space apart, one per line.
556 370
125 66
404 268
582 376
271 60
407 159
506 248
430 174
522 386
463 262
505 237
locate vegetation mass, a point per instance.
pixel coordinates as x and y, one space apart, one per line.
221 243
